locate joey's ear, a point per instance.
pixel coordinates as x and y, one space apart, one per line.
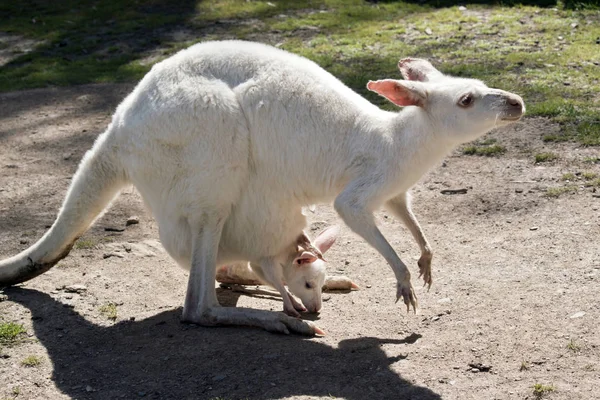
401 93
305 257
417 69
327 238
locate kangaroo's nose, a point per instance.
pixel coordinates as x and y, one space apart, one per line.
514 102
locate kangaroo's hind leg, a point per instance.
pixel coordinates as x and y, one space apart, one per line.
201 295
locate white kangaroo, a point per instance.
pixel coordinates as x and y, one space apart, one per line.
227 141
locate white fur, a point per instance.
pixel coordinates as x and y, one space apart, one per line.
228 141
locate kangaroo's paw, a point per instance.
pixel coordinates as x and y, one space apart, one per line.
296 304
271 321
425 269
339 283
406 291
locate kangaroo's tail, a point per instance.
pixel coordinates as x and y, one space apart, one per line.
96 183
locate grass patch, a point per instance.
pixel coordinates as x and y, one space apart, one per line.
524 366
568 177
593 183
109 311
592 160
31 361
587 179
488 151
85 244
540 390
511 46
10 332
545 157
588 176
558 191
573 346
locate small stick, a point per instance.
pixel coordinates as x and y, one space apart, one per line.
454 191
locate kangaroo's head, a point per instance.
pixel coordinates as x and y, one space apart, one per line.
306 277
459 108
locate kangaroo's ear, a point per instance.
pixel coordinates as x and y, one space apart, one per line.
417 69
305 257
327 238
401 93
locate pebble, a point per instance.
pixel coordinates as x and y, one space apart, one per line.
534 228
75 288
462 8
369 286
578 314
518 190
109 255
134 220
88 388
428 31
3 297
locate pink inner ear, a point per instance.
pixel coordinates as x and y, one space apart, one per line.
305 257
395 92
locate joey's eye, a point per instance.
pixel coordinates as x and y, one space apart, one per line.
308 285
466 100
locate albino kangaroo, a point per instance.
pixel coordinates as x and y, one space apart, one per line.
227 141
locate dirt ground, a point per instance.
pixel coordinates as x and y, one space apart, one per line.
514 301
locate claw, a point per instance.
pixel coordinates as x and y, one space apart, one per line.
319 332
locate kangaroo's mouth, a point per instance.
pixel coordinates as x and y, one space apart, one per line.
511 118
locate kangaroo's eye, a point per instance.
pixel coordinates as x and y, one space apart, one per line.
308 285
466 100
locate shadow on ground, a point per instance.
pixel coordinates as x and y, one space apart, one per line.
160 357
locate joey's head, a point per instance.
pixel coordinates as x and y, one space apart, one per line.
460 109
306 276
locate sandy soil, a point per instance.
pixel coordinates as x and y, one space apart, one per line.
515 293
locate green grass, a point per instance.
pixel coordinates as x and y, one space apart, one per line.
524 366
10 332
487 151
109 311
593 183
31 361
587 178
508 45
545 157
540 390
558 191
573 346
85 244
